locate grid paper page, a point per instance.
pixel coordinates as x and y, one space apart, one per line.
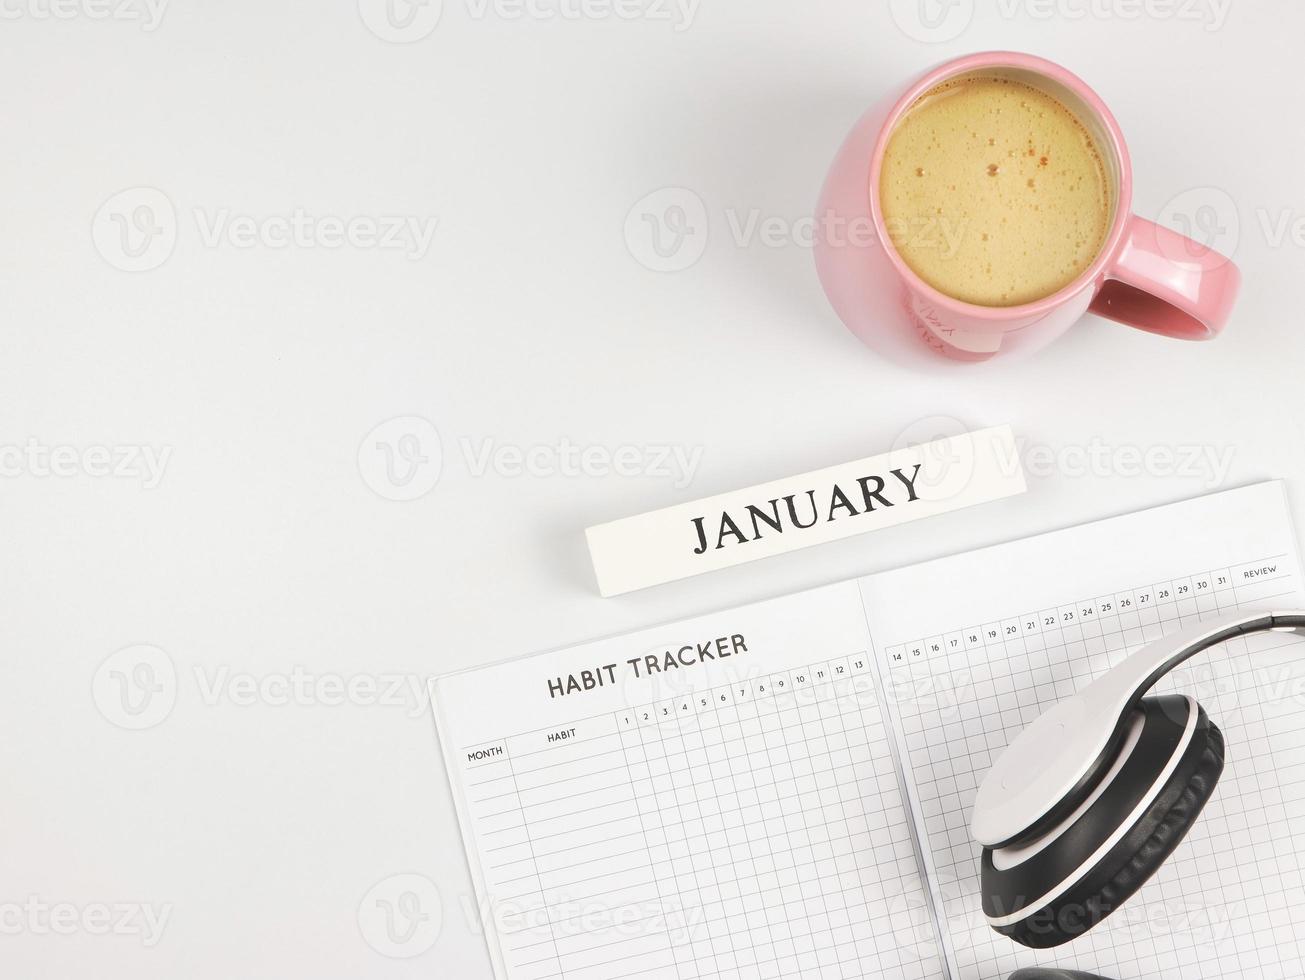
738 817
978 645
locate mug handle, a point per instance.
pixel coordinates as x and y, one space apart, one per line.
1169 284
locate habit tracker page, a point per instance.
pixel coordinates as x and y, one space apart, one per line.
978 645
716 798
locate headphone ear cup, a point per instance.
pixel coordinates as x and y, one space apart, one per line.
1077 875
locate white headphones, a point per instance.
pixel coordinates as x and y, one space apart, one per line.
1089 800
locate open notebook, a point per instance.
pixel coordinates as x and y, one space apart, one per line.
783 789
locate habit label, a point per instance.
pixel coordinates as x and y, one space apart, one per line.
646 665
731 528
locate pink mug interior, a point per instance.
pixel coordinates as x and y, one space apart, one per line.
1075 94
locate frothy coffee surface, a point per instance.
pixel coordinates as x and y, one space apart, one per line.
994 193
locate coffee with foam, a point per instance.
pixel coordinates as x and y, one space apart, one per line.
994 192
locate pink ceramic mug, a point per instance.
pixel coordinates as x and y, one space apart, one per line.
1145 275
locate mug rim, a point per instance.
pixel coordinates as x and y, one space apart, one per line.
1123 205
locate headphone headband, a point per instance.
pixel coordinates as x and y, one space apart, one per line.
1040 776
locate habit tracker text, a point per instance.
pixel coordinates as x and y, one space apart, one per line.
645 665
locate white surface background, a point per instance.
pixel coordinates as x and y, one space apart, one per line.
261 827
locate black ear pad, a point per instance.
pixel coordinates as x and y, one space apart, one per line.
1038 973
1051 891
